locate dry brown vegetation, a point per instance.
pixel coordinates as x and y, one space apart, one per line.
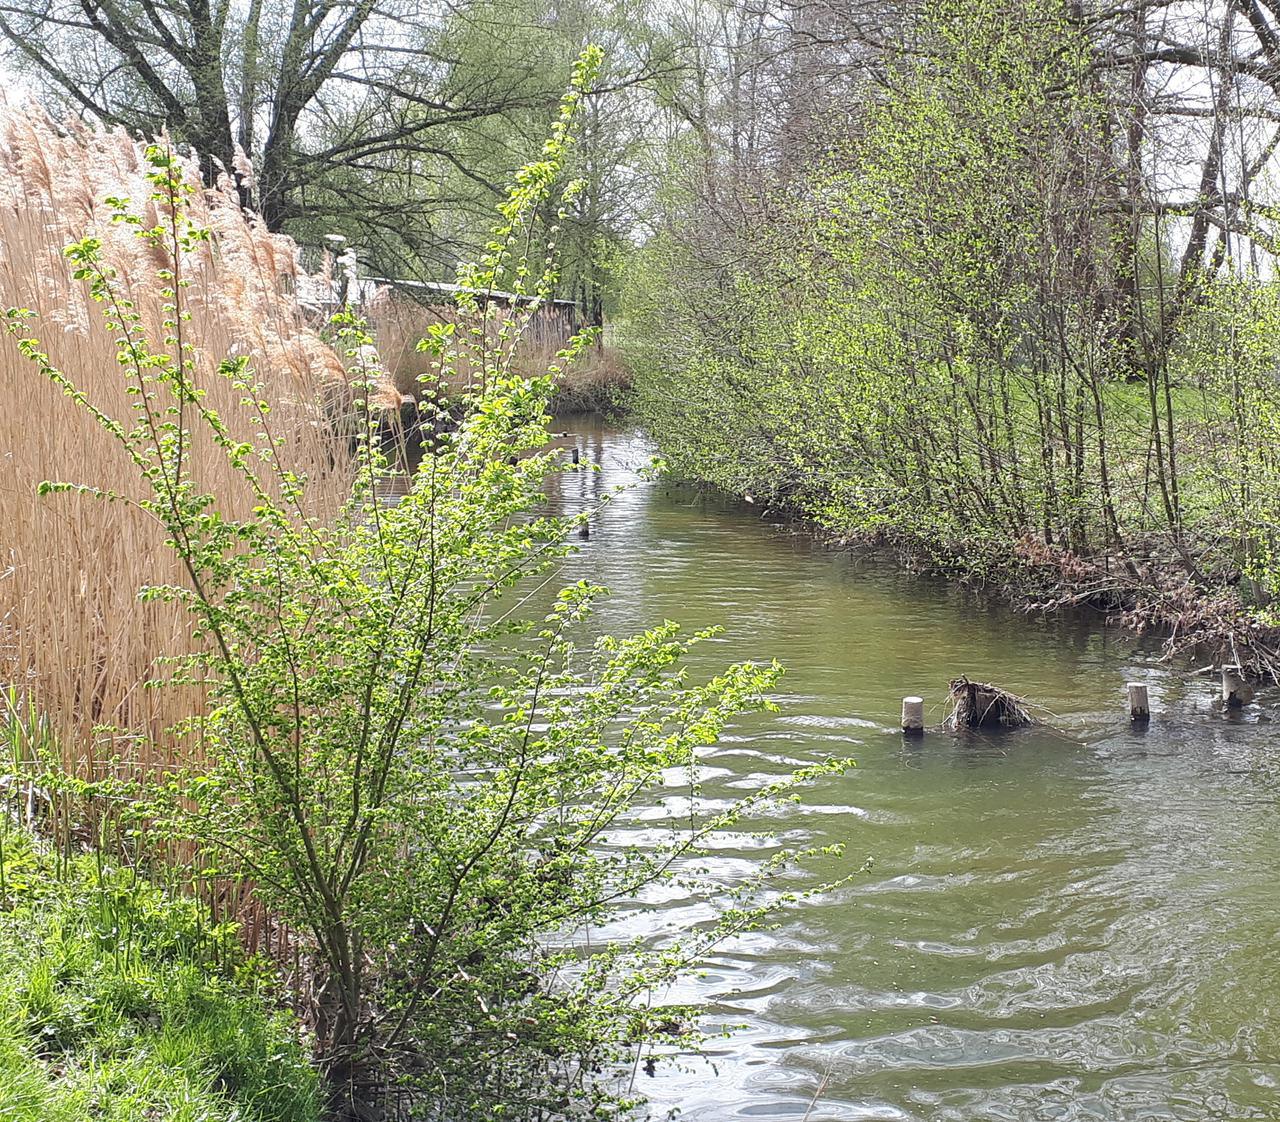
75 641
398 321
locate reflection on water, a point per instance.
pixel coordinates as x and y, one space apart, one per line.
1079 926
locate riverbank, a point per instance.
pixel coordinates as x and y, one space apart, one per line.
1201 607
1205 589
1199 612
1197 622
119 1001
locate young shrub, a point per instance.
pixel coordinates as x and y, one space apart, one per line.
420 781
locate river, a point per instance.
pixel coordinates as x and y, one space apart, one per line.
1081 923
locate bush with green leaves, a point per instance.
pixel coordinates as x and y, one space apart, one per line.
965 330
422 781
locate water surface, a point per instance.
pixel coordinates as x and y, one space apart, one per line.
1074 924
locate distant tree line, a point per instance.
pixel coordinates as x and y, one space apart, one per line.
390 123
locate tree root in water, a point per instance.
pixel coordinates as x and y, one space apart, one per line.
982 705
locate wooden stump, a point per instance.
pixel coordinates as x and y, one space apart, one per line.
913 716
982 705
1139 707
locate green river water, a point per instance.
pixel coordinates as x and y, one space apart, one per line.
1080 924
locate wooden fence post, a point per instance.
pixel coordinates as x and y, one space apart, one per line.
1139 707
913 716
1236 691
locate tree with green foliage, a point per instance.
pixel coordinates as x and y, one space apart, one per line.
970 327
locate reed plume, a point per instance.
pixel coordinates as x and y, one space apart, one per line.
76 642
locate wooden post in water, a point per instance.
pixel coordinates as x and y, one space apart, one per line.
577 457
1139 707
1236 691
913 716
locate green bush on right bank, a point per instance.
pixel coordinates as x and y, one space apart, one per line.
961 328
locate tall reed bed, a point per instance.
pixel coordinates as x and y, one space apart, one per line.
594 380
76 642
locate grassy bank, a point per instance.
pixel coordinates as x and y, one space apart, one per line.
119 1003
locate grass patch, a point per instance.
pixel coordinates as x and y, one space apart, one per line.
119 1003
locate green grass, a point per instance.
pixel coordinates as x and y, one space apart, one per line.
118 1003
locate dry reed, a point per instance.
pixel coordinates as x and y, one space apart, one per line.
75 641
398 322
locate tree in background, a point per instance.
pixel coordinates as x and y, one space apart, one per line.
391 122
976 307
1189 99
